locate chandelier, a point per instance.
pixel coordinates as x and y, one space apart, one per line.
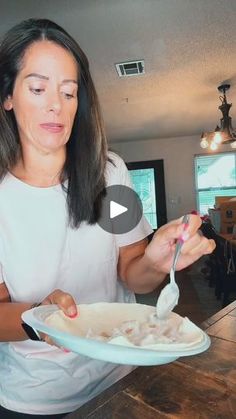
223 134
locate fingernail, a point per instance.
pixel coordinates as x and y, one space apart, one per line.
185 226
194 212
185 236
65 350
71 311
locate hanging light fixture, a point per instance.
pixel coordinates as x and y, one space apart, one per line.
223 134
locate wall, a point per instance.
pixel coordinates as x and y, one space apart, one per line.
178 155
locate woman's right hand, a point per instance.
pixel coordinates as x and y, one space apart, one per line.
65 302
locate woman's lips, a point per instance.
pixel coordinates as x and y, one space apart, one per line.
52 127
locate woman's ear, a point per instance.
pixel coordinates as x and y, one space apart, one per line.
8 103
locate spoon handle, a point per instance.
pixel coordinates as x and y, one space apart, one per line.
179 244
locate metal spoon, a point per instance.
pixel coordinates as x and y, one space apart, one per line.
169 296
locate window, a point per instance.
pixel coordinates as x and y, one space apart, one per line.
144 184
215 175
148 181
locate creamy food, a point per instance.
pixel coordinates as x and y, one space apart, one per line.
128 325
141 333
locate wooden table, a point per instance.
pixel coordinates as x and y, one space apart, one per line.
202 386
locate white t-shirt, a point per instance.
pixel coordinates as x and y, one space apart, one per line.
39 253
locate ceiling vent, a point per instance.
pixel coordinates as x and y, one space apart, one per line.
130 68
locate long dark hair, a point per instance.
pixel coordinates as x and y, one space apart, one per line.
87 147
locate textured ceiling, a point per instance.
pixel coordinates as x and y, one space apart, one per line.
189 48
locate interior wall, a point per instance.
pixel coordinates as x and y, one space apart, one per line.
178 155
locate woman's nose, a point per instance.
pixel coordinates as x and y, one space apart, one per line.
54 103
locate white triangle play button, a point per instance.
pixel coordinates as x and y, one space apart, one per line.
116 209
121 210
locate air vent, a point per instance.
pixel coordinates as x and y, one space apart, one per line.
130 68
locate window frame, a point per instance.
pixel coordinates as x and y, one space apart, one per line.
159 178
210 188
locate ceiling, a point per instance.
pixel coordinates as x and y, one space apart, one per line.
189 48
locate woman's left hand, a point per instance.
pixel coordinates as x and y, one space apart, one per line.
160 250
66 303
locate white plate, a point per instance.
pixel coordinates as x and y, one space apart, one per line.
108 351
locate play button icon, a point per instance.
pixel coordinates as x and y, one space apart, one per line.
121 210
116 209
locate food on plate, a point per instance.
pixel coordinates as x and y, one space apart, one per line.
128 324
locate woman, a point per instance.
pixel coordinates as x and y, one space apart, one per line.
54 168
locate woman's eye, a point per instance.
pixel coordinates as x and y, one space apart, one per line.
68 95
36 91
